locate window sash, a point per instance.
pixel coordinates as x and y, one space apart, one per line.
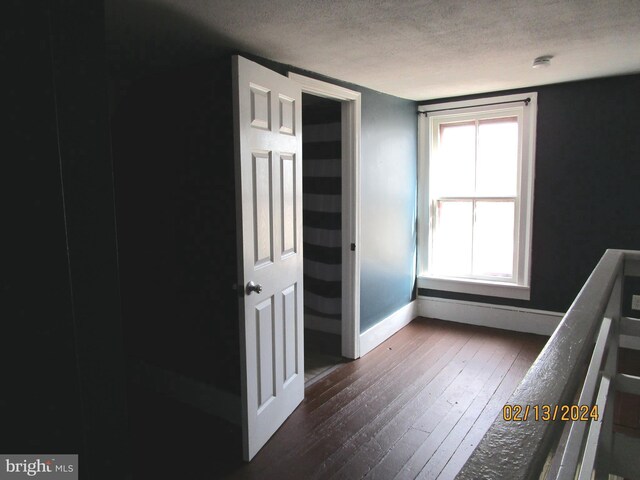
474 159
435 215
428 129
474 119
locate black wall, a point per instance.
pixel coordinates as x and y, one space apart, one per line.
586 186
175 196
62 361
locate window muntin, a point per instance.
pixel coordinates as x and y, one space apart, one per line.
476 182
474 170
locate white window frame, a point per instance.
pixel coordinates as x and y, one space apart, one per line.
520 286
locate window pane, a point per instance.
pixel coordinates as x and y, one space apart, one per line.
452 241
455 160
497 166
493 239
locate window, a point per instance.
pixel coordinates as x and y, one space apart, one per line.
476 195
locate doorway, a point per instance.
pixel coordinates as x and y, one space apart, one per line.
322 234
347 329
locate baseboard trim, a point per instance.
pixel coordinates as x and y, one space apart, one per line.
313 322
387 327
196 393
526 320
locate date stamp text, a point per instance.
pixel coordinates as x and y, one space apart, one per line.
547 413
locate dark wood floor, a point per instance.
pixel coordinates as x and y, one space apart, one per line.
415 407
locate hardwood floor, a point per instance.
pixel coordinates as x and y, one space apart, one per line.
415 407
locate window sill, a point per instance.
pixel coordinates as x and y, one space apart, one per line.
475 287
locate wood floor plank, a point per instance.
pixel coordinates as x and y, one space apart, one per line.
439 420
350 421
428 389
391 351
342 389
360 447
314 431
467 418
518 369
394 412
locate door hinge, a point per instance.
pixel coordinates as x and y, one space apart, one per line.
353 247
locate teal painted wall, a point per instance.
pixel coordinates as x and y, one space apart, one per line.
388 205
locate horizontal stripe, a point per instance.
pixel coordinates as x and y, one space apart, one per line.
322 132
323 185
332 255
326 112
323 271
323 288
322 324
328 316
320 150
330 167
322 237
327 220
322 305
322 203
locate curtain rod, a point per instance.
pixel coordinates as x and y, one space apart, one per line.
425 112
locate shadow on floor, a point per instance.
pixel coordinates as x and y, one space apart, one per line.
322 354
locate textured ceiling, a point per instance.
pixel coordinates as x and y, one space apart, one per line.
413 49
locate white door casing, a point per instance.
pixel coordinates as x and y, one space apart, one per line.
268 151
351 135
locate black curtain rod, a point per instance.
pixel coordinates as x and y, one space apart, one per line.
425 112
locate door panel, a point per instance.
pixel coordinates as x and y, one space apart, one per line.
288 190
262 200
265 348
287 115
267 111
290 331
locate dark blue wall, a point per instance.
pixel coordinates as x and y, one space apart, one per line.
586 187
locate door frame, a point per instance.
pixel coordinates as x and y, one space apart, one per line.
351 139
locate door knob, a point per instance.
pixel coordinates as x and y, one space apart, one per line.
253 287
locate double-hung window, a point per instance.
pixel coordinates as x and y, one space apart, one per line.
476 195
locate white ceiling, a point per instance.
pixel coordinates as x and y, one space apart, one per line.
413 49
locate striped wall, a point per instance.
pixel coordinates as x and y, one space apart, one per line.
321 171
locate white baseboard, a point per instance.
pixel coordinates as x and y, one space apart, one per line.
518 319
526 320
196 393
327 325
387 327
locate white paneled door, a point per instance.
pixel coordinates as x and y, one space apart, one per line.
268 129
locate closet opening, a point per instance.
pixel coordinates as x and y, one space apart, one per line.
322 234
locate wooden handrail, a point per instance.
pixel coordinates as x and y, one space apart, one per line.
518 449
